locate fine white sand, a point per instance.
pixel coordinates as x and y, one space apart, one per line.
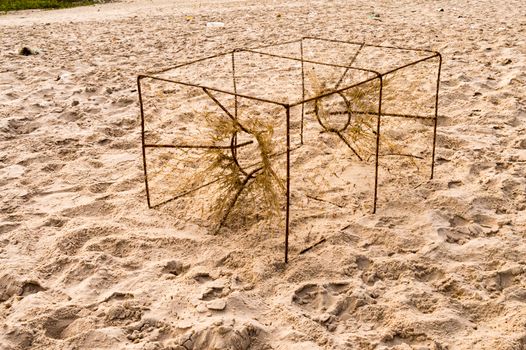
84 264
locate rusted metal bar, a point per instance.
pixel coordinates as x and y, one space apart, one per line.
313 246
340 135
339 131
287 213
307 61
436 116
199 146
350 65
376 164
411 64
212 89
237 123
212 97
143 142
302 91
347 113
370 45
233 150
186 193
234 82
188 63
335 91
231 205
277 44
396 115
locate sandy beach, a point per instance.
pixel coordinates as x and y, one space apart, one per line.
84 264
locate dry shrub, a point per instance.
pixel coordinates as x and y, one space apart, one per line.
362 104
256 187
245 188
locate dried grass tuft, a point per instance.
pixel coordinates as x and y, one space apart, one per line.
360 135
242 190
246 187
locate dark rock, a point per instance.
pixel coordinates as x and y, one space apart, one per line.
26 51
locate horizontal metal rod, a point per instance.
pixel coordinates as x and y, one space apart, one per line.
200 146
435 54
278 44
186 193
409 116
370 45
285 43
142 76
400 155
334 92
274 155
309 61
189 63
314 62
411 64
347 67
313 246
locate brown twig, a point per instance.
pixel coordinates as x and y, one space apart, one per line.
325 201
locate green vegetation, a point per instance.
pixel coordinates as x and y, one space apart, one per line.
11 5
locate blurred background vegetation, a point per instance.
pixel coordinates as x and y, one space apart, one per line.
10 5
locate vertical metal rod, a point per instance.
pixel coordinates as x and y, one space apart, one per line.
143 142
287 213
234 82
234 149
436 116
302 91
377 145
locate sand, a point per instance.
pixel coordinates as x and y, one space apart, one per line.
84 264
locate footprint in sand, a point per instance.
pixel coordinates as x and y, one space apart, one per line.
462 229
319 297
222 335
409 340
5 228
99 187
175 268
72 242
13 286
214 290
55 325
123 313
424 302
94 209
330 303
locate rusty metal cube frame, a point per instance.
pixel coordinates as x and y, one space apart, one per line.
378 75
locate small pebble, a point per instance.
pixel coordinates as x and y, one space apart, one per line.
201 308
218 304
325 317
